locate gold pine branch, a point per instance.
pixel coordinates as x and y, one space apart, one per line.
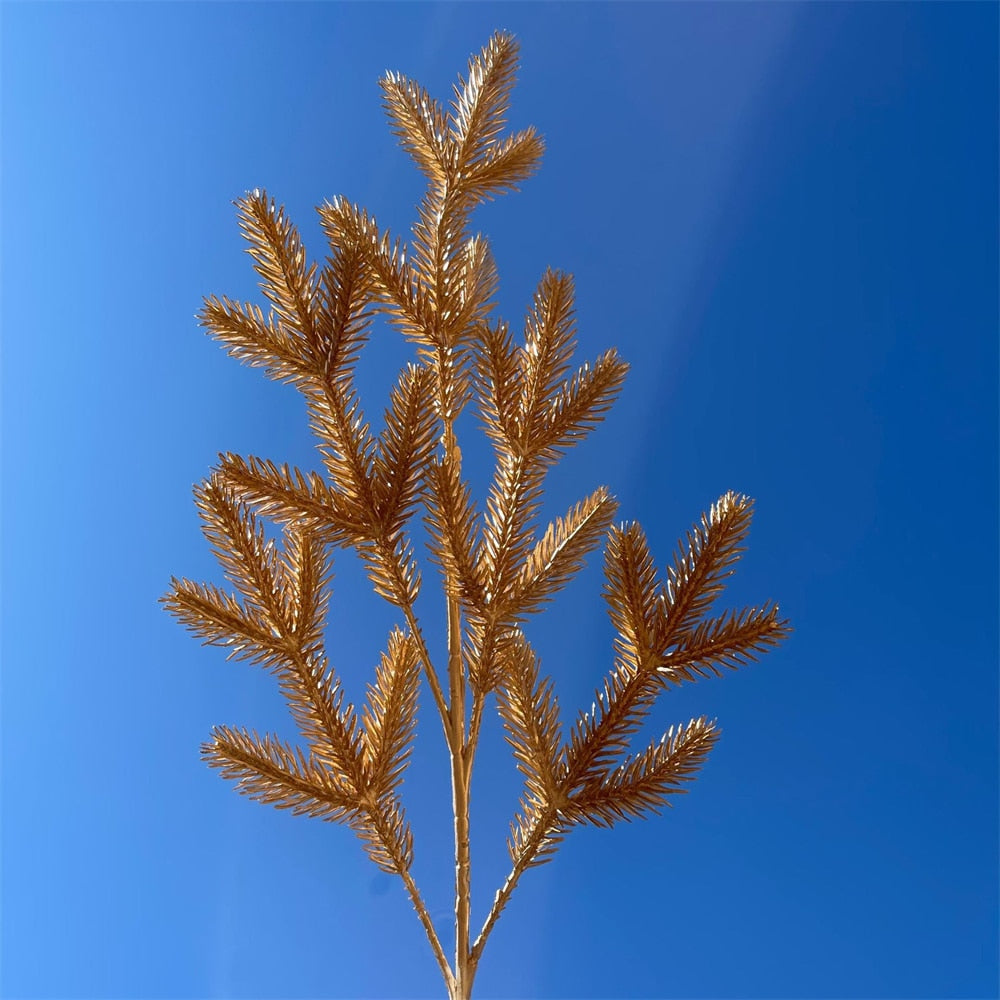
495 565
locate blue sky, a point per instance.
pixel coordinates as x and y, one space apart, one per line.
786 218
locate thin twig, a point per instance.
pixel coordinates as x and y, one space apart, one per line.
542 829
418 905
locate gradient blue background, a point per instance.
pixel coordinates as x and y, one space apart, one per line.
786 217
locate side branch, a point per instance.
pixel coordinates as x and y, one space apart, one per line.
524 861
418 904
406 604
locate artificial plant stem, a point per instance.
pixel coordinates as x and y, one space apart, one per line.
478 701
460 778
425 919
464 967
429 671
510 884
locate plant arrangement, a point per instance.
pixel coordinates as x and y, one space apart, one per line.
497 566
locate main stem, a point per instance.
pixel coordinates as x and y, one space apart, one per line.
464 968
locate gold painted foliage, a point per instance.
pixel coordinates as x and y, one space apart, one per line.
497 564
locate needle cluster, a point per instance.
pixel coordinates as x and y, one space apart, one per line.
497 565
